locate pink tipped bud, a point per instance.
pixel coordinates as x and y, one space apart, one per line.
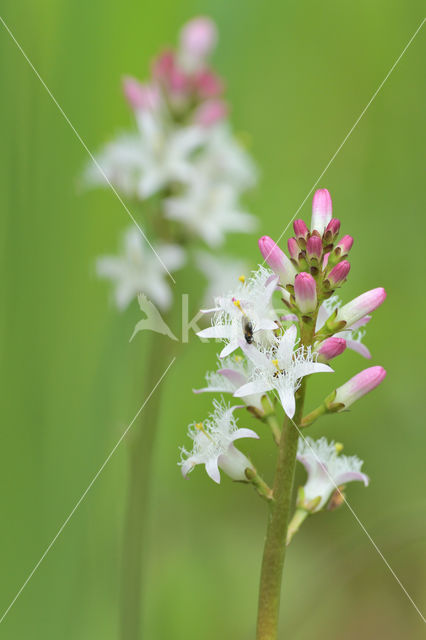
198 37
321 210
301 232
344 246
332 229
277 260
358 386
360 306
210 112
140 96
293 248
325 260
166 71
305 292
314 248
208 84
331 348
339 273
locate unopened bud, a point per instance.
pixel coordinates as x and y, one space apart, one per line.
277 260
338 274
331 230
305 291
331 348
198 37
321 210
210 112
208 84
301 232
314 249
344 246
358 386
293 248
360 306
140 96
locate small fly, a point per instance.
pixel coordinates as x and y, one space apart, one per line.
247 330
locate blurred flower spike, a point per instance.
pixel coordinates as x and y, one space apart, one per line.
181 159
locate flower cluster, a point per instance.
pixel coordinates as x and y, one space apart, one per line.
182 159
269 352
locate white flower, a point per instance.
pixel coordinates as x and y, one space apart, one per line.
223 159
233 372
220 271
138 269
142 164
245 313
354 335
209 210
280 368
213 445
326 469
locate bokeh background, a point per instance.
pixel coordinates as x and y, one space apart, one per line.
298 76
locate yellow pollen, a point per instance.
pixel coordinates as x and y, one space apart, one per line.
275 363
339 447
238 304
238 358
200 427
242 279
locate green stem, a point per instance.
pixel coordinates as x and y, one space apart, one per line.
141 447
276 534
312 416
274 550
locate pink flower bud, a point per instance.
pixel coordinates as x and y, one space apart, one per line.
301 231
293 248
332 229
344 246
359 385
166 71
314 248
339 273
305 291
198 37
331 348
360 306
140 96
210 112
208 84
321 210
325 260
277 260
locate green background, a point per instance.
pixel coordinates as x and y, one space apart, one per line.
299 74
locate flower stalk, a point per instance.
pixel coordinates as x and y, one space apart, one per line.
277 355
276 535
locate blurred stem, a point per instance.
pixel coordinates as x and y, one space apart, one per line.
141 448
279 514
